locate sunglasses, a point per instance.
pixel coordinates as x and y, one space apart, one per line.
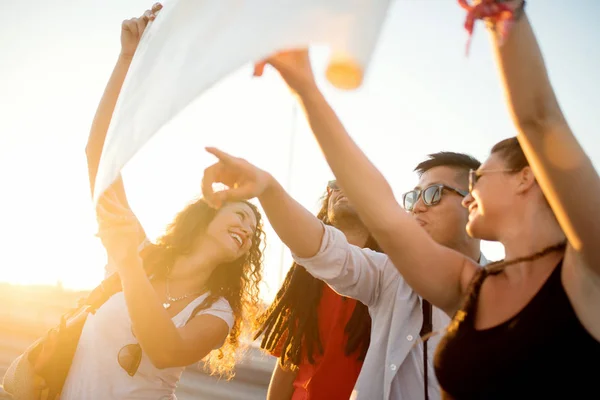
474 175
432 195
129 358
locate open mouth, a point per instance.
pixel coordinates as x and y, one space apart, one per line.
237 238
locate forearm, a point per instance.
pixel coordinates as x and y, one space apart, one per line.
431 270
523 72
282 384
152 324
559 163
297 228
103 116
362 182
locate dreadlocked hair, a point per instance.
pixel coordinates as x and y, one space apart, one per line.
494 269
237 281
292 318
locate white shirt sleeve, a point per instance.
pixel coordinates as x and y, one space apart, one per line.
220 309
350 270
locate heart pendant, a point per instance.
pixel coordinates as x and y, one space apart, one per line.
166 305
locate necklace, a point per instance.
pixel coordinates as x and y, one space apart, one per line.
167 303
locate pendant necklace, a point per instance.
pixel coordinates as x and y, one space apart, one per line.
167 303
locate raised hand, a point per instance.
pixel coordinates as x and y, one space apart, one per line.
132 30
118 228
293 66
244 180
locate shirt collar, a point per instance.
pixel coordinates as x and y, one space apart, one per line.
482 260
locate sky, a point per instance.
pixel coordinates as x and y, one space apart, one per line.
421 95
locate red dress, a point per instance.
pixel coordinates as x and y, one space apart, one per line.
334 374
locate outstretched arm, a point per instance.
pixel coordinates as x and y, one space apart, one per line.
95 144
564 172
324 252
131 33
435 272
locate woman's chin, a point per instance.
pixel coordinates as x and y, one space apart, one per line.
476 229
472 227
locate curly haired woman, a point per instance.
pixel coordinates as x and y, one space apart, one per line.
184 299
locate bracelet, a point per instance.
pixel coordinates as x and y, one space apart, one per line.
517 14
492 13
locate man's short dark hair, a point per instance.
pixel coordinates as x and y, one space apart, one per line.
460 161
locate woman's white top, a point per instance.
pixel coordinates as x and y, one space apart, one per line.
96 373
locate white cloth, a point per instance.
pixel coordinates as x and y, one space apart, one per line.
192 44
96 373
393 367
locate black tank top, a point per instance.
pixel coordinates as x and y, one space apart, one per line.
543 352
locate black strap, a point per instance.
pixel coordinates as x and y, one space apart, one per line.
426 329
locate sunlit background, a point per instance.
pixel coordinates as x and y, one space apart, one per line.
421 95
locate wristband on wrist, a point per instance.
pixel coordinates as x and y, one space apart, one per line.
498 16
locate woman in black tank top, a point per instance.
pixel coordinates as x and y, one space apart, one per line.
540 352
549 346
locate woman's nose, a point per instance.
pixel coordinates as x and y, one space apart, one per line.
467 200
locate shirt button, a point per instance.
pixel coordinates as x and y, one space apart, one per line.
409 338
393 367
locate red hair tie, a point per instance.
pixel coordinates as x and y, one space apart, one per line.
495 12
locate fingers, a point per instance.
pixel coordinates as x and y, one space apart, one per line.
130 25
111 203
210 176
227 159
244 192
259 68
38 382
216 174
148 15
137 25
236 173
141 26
153 12
157 7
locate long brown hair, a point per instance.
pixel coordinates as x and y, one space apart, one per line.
237 281
292 318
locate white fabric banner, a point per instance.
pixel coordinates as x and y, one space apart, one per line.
193 44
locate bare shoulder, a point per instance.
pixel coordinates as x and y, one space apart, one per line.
582 286
468 272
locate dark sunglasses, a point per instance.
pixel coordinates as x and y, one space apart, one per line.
129 358
474 175
432 195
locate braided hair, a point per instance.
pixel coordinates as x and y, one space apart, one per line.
292 317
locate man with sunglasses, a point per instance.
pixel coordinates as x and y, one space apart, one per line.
436 202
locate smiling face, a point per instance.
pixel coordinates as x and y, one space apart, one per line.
496 196
232 230
339 208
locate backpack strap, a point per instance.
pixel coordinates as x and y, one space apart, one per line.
101 293
426 329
